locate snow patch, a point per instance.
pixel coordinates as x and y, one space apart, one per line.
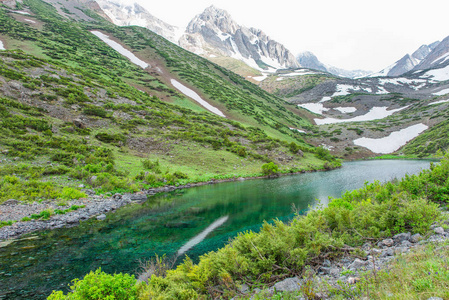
325 99
192 94
1 46
392 142
279 78
21 12
375 113
346 110
438 102
299 130
120 49
316 108
260 78
30 21
344 89
438 74
442 92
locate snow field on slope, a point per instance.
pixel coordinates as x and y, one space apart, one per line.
1 46
392 142
442 92
120 49
192 94
316 108
375 113
438 74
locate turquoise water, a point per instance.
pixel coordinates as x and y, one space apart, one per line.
191 221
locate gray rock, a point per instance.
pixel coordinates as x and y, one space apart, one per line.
439 230
244 288
10 202
399 250
327 263
101 217
398 238
138 197
415 238
288 285
406 244
388 252
387 242
357 264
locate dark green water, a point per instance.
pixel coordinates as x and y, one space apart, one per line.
207 216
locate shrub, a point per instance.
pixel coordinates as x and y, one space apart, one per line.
270 169
71 193
100 286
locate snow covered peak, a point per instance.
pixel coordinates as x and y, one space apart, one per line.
214 33
130 13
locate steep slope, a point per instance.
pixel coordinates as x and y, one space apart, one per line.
97 116
124 14
407 63
309 60
214 32
436 59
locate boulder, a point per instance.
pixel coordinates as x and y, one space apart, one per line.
357 264
415 238
387 242
101 217
79 123
439 230
398 238
288 285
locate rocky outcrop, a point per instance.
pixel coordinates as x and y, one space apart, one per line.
411 62
133 14
437 58
309 60
215 33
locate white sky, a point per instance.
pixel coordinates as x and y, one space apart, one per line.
350 34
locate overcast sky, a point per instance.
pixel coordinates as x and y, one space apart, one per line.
350 34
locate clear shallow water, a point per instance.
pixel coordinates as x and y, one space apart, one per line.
191 221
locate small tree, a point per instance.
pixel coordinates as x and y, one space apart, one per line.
270 169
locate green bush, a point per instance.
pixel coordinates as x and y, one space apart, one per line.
100 286
270 169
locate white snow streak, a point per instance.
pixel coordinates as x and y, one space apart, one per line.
120 49
375 113
192 94
1 46
392 142
438 102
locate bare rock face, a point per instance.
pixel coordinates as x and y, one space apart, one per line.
124 14
214 32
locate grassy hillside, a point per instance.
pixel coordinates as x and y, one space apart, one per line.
76 112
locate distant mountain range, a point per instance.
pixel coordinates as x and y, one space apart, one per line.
213 34
309 60
433 56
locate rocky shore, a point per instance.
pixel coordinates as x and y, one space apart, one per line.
347 270
93 206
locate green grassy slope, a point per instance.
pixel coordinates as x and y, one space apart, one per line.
74 113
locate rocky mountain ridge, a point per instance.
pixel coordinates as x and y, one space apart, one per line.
308 60
407 62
